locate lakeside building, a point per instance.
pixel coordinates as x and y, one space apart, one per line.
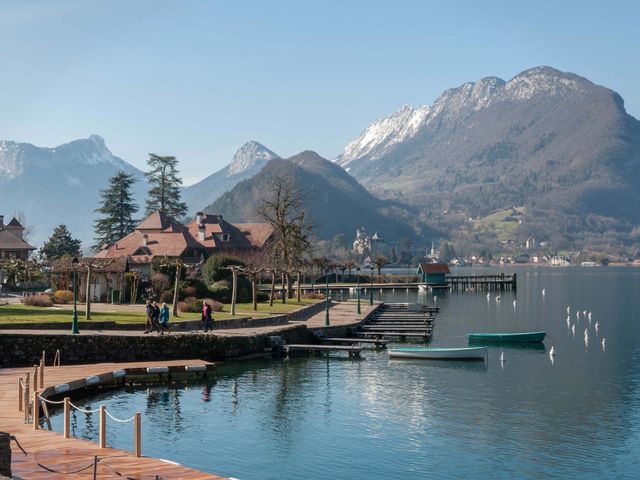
12 243
433 274
159 236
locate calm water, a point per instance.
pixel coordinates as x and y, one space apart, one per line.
575 417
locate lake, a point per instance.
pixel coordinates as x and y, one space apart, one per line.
576 415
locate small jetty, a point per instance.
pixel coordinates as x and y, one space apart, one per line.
352 350
378 343
399 320
497 282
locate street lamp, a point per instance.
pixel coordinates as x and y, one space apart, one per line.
358 288
326 296
74 324
371 286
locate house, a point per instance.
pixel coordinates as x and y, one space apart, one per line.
160 236
433 273
107 281
12 243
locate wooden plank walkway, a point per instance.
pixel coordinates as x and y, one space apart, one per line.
372 341
312 348
64 455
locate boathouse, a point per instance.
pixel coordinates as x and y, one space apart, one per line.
433 273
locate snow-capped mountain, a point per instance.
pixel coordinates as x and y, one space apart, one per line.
59 185
545 139
246 162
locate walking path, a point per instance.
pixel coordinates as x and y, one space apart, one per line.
52 450
340 314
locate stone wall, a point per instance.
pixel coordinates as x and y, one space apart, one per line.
17 349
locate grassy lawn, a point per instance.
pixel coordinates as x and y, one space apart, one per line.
499 223
25 314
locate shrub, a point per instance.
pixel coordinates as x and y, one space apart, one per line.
189 292
190 304
216 268
221 291
263 297
215 305
38 300
166 296
160 282
63 296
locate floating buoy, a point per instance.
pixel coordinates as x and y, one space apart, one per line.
502 357
552 352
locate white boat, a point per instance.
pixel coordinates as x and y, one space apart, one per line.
464 353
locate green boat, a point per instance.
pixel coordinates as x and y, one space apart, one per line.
521 337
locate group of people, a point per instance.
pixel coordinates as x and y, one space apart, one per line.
157 318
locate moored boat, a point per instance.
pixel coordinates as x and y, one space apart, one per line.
464 353
518 337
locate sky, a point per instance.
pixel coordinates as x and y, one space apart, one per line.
197 79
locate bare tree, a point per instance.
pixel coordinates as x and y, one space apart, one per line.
255 265
380 261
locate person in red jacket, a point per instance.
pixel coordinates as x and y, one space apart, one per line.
206 316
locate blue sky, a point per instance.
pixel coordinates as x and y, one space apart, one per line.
196 79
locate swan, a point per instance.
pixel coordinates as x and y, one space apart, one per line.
597 325
502 357
568 322
498 298
604 343
543 291
514 304
552 352
568 310
578 314
573 329
589 315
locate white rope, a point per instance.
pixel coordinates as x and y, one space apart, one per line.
119 420
50 401
83 410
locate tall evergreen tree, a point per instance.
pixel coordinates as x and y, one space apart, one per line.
60 243
116 212
164 182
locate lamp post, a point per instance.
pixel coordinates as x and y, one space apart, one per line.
74 323
326 297
371 285
358 289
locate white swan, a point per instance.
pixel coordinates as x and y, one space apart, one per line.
589 315
502 357
514 304
604 343
573 329
498 298
578 314
568 322
552 352
568 310
543 291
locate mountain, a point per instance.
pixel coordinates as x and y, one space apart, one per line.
58 185
551 142
247 161
335 202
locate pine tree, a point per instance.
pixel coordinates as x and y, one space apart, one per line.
164 191
60 243
116 212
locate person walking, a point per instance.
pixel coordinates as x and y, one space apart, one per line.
164 318
206 316
155 318
149 325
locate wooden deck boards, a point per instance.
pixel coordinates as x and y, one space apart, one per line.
64 455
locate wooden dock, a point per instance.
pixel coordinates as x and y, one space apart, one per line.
399 320
352 350
63 455
482 282
352 341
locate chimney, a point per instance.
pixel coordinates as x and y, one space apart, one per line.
1 221
201 232
145 240
199 217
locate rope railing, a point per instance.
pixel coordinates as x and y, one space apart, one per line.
133 417
52 402
88 411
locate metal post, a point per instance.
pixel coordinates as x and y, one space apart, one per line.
371 285
327 300
36 410
137 450
103 427
67 411
358 289
74 325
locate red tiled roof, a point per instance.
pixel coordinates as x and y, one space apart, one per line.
161 222
257 233
8 241
435 268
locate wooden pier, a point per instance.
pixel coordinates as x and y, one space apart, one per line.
352 350
482 282
378 343
51 455
400 321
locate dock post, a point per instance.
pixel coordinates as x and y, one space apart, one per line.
67 411
36 410
136 435
42 372
103 427
35 378
20 395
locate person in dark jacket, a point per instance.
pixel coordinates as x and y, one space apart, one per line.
206 316
149 325
155 319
